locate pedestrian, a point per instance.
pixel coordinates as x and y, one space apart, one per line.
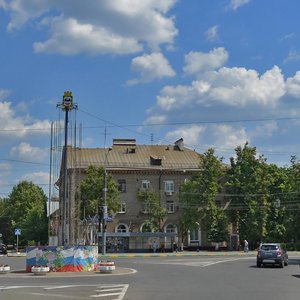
246 246
154 246
175 247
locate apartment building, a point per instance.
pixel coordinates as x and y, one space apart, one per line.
161 168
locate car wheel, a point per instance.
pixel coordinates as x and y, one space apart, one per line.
286 263
258 264
281 265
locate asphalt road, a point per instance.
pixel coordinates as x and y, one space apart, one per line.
161 278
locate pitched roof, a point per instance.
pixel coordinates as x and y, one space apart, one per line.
132 156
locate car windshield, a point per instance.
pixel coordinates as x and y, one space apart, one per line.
269 247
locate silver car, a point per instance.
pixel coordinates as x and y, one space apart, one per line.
272 253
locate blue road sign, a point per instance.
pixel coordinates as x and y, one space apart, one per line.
17 231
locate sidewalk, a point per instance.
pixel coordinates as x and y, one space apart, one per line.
177 254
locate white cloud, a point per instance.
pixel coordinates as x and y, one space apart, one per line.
293 85
151 67
3 94
25 151
197 63
15 127
241 87
288 36
223 138
156 119
235 4
228 137
292 56
39 178
265 130
71 37
100 27
191 135
212 34
4 167
232 87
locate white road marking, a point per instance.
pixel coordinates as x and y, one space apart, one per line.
104 290
194 262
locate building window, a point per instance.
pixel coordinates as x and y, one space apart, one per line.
194 235
122 208
171 228
121 228
122 185
169 187
146 228
170 207
145 185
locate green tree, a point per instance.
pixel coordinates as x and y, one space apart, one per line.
249 182
35 226
190 205
155 213
24 199
291 203
91 190
199 199
5 222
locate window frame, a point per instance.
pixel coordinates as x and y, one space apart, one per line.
145 185
169 186
123 208
122 185
170 206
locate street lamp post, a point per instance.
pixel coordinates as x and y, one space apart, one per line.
104 205
104 212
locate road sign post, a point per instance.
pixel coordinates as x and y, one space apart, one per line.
17 233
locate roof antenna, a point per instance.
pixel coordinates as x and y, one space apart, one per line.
152 138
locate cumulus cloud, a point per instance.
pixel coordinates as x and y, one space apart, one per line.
228 137
25 151
100 27
71 37
293 85
15 127
191 134
235 4
151 67
218 136
225 93
197 63
39 178
212 34
232 87
241 87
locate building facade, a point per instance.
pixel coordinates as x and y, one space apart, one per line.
160 168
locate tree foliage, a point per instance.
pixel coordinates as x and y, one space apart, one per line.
199 200
27 201
155 213
91 190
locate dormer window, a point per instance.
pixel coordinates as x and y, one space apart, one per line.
155 161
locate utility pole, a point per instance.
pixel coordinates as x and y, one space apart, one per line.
66 105
104 205
104 212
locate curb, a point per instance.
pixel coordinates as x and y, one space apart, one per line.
175 254
118 271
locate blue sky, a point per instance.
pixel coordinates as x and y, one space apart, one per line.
217 73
